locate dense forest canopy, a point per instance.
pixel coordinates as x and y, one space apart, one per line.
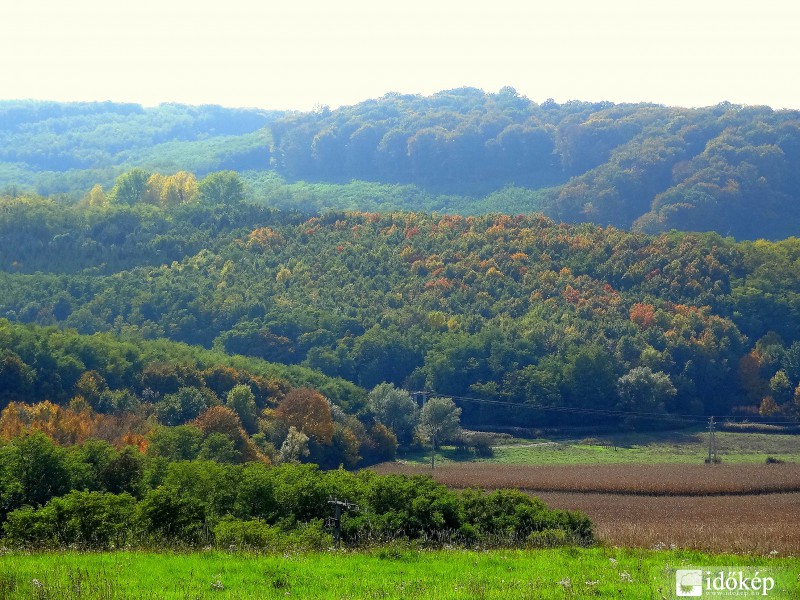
728 168
514 309
68 147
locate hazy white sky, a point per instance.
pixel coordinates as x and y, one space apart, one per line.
298 53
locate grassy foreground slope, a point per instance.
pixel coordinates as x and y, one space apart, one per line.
384 573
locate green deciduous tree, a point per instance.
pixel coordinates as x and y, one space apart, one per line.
294 447
130 188
184 405
643 391
175 443
223 187
439 421
242 400
395 409
35 469
16 378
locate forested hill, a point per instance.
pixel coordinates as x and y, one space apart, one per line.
726 168
514 309
55 147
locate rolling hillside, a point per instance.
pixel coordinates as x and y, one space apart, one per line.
727 168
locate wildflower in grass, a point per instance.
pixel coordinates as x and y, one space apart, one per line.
37 584
566 583
626 577
217 583
592 583
613 562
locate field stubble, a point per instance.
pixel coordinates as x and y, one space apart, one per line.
651 480
717 508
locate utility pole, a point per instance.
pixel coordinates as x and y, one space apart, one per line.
335 522
421 394
712 443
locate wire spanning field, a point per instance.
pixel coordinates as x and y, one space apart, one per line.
718 508
651 480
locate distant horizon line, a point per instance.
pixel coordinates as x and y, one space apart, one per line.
320 105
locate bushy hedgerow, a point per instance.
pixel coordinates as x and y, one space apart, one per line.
200 502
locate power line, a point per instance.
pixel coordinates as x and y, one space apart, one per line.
605 412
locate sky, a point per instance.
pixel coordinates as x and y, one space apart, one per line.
299 54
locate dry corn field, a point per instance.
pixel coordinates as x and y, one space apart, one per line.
653 480
719 508
753 523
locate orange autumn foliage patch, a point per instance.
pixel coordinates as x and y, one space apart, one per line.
644 315
68 426
308 411
221 419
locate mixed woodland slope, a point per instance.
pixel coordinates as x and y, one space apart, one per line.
727 168
514 309
55 147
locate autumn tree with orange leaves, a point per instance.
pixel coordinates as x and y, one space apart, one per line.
308 411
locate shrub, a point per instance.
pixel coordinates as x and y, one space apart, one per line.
253 533
166 517
28 526
85 519
478 442
309 536
194 502
547 538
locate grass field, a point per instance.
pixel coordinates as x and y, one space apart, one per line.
393 572
684 447
653 512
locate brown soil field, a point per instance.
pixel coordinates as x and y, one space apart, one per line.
650 480
715 508
757 524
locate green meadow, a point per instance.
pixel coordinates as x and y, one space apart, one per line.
395 571
683 447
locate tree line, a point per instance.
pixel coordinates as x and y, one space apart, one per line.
180 403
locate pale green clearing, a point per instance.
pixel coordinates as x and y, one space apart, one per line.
682 447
